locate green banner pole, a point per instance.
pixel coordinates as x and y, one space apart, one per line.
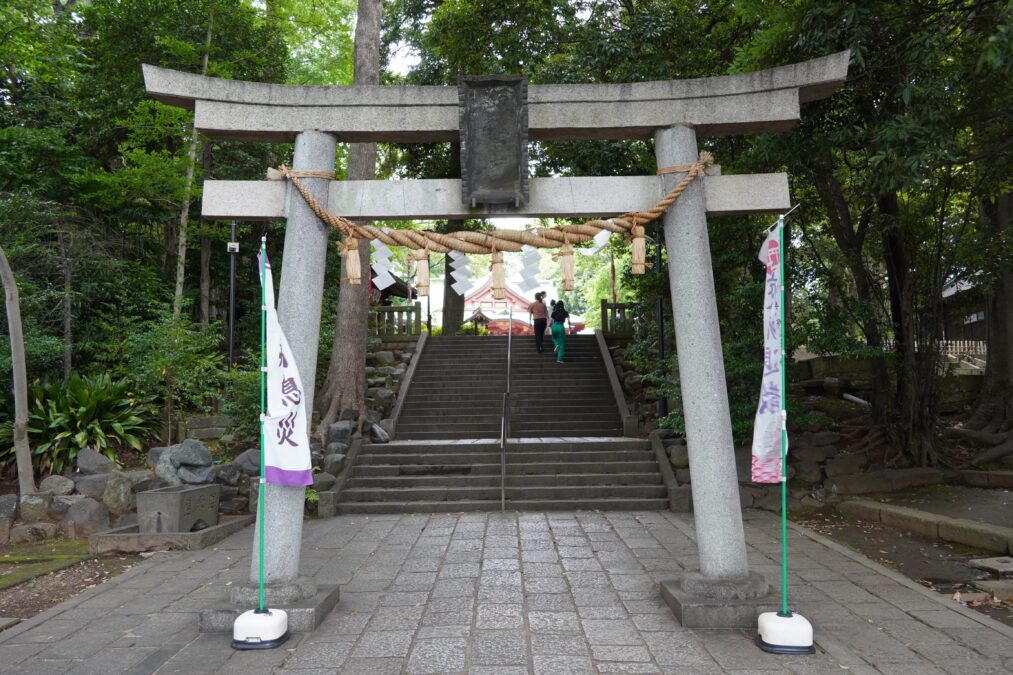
784 427
263 411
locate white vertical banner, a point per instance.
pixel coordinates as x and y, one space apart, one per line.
770 418
286 441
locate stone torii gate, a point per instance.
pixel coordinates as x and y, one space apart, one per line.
723 593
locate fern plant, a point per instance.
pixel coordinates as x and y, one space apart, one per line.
96 412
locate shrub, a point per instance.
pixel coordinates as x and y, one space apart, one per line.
96 412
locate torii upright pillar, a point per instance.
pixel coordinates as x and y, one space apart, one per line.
299 305
723 593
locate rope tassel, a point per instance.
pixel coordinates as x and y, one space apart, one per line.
421 272
498 276
567 267
350 261
639 249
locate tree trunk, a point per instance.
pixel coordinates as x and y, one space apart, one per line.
205 281
345 385
184 211
22 452
995 402
68 307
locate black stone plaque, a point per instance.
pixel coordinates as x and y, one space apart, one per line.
494 140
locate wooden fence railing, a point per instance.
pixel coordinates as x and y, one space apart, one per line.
617 318
404 320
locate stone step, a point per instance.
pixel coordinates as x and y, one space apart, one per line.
600 504
512 480
512 457
446 434
542 445
550 492
514 469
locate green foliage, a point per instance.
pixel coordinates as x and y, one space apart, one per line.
175 361
241 401
96 412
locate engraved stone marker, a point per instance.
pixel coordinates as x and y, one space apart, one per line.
494 140
177 508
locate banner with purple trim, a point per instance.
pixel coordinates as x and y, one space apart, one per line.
286 440
766 465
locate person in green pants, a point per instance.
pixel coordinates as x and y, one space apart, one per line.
559 318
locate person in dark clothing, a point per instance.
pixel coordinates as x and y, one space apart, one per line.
559 318
539 315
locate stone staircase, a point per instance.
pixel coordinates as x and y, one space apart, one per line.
541 474
569 399
457 390
565 449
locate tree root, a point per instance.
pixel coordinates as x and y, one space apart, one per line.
996 453
979 437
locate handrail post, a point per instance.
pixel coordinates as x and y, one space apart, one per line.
504 428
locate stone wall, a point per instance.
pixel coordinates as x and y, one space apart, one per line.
821 469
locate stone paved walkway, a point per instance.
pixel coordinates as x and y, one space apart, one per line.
548 593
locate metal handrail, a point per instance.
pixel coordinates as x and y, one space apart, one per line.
504 428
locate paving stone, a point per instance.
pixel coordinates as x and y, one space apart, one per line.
611 632
562 665
375 644
553 622
320 655
439 655
395 618
493 616
499 648
374 666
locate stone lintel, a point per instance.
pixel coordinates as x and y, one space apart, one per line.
434 199
760 101
750 112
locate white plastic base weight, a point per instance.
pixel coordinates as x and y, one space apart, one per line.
789 633
258 629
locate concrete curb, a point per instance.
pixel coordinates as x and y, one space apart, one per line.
958 530
992 479
893 575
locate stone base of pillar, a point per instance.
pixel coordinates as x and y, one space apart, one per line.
304 615
704 602
276 594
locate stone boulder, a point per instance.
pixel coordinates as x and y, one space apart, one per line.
118 495
90 462
387 424
340 432
845 465
198 475
85 518
229 474
8 506
809 472
33 532
678 454
154 454
248 462
166 471
383 396
92 486
335 448
143 480
334 464
190 452
809 453
349 414
378 435
323 481
56 485
61 504
233 507
35 507
383 357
